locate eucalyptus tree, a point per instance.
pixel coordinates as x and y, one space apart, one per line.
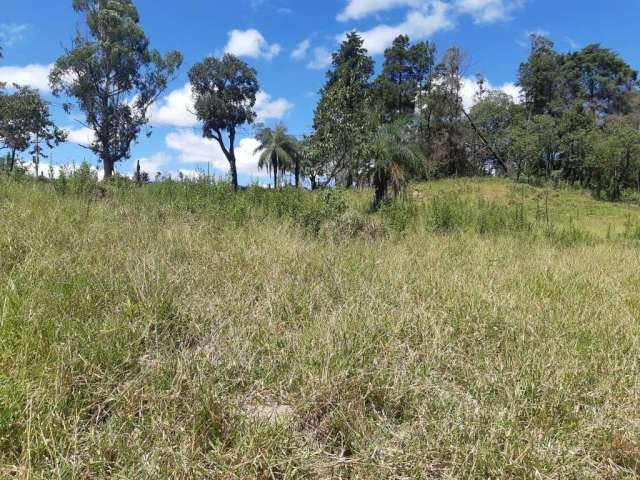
224 93
278 151
114 75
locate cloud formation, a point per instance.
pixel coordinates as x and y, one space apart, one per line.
34 75
424 18
251 43
319 58
12 33
176 108
194 149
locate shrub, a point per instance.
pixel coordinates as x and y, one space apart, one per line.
327 206
83 181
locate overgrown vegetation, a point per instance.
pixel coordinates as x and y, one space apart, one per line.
403 319
477 329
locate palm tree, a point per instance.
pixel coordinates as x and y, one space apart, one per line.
395 157
278 150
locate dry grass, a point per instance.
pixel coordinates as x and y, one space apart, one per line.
140 341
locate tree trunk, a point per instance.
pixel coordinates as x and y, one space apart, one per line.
380 184
275 176
314 183
12 163
234 172
138 174
297 173
349 180
108 163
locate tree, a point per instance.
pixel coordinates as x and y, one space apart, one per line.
445 143
396 86
342 120
421 65
394 158
600 79
540 77
491 118
114 76
225 93
25 121
278 152
613 158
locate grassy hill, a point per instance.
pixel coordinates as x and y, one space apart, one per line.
480 329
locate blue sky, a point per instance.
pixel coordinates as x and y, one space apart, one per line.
288 42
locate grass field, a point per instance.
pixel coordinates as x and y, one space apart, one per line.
478 330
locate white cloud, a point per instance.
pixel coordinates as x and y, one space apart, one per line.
251 43
268 109
431 18
424 18
12 33
357 9
300 52
481 10
470 89
320 59
34 75
153 164
82 136
488 11
193 149
175 109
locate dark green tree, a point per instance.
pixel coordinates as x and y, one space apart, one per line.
225 94
396 86
540 77
598 78
114 76
343 118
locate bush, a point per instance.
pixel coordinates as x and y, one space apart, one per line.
83 181
327 206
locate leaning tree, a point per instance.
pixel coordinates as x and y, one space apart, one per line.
114 76
224 93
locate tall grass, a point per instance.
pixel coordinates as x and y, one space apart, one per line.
182 331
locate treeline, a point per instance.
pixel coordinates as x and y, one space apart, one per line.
577 120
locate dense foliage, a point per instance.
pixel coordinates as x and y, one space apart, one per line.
577 119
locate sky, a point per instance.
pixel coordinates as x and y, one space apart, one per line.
289 43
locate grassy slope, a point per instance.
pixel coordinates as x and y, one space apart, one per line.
140 341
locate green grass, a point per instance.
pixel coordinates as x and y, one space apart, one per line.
181 331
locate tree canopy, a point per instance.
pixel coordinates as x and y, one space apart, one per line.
225 95
114 76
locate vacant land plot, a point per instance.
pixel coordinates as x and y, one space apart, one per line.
478 330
